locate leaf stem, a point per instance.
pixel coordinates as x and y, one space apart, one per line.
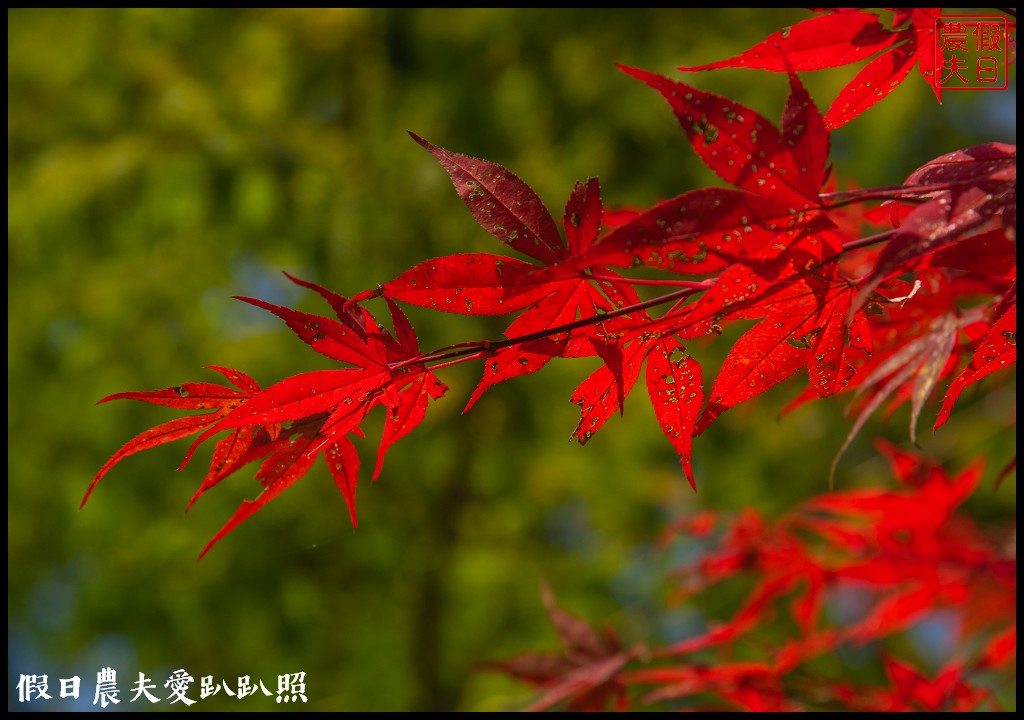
699 285
869 240
889 192
471 351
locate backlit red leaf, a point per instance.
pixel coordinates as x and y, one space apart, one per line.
675 385
583 215
998 350
804 131
873 83
188 396
329 337
343 462
238 449
468 284
301 396
740 145
290 461
599 395
346 313
408 413
237 378
763 357
825 41
699 232
849 35
514 361
159 435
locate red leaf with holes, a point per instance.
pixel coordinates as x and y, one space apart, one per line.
513 361
778 172
805 323
674 383
697 233
553 295
408 413
744 148
329 337
468 284
603 393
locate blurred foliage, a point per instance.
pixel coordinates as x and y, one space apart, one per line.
161 161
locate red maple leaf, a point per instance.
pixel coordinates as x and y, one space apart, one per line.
570 306
189 396
963 191
778 173
287 425
768 249
847 36
908 551
996 351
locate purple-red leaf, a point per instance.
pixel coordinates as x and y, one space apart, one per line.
988 253
917 365
970 187
504 205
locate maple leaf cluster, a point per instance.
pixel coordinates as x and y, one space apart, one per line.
897 557
885 294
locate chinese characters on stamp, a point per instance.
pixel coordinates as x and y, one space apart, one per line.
971 52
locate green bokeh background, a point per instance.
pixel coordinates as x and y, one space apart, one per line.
161 161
